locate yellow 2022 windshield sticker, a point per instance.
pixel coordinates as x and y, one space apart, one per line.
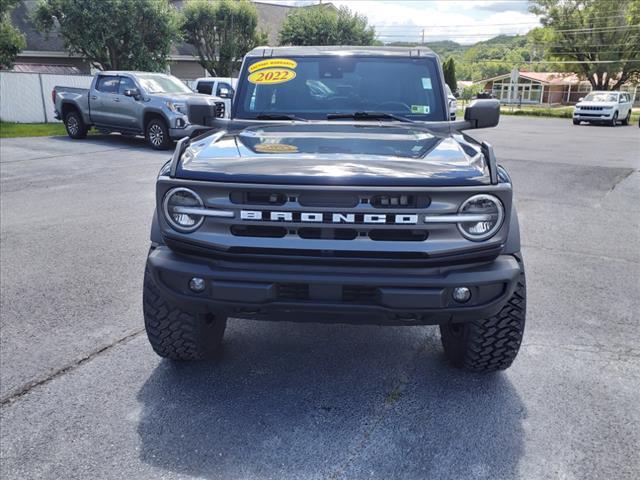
271 76
273 63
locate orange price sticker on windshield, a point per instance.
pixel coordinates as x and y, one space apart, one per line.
271 76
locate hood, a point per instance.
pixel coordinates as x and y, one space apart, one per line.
597 104
340 153
179 96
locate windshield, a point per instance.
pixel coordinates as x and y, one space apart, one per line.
314 87
601 97
162 84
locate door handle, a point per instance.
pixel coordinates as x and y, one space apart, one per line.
93 97
116 99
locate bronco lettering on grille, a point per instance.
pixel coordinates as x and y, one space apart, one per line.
319 217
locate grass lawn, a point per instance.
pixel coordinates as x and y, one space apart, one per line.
13 130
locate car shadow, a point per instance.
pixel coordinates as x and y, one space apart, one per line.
115 140
325 401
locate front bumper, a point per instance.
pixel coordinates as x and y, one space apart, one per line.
389 296
188 130
593 115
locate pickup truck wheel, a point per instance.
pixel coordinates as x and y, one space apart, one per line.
178 334
75 126
157 134
492 343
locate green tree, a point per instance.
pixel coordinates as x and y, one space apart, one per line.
222 33
449 70
603 36
326 25
113 34
11 40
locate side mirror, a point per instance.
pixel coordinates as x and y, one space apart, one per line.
225 93
483 113
580 99
132 92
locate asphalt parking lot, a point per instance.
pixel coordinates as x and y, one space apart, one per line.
83 395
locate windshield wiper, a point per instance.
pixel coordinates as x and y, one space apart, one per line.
279 116
368 116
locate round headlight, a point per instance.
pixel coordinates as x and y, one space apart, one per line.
486 215
176 205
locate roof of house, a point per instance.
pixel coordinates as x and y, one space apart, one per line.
270 19
547 78
37 68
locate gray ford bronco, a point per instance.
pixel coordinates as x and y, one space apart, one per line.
338 191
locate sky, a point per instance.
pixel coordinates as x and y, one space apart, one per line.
465 22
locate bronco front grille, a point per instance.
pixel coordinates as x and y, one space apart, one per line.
335 225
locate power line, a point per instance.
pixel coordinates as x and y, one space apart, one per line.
575 32
478 25
531 62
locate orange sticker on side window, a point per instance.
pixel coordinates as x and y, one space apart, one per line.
273 63
272 75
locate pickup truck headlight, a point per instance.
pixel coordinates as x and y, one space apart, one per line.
486 207
176 205
177 107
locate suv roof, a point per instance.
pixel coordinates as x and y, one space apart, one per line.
266 51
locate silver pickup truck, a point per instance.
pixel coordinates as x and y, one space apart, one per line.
132 103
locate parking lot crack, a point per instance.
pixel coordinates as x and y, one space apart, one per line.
621 179
25 389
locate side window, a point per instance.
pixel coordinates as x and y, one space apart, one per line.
222 86
126 84
204 87
107 84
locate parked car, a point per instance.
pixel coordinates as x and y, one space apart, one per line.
222 87
136 103
453 102
330 197
604 107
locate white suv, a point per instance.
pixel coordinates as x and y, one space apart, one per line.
603 107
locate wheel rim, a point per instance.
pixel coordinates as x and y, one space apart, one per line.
72 125
156 135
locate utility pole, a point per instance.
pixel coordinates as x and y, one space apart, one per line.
423 36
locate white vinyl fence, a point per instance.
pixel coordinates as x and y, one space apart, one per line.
26 97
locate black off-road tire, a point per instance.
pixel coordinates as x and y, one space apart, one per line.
489 344
76 128
157 134
178 334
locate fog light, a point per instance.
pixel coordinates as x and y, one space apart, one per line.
196 284
461 294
